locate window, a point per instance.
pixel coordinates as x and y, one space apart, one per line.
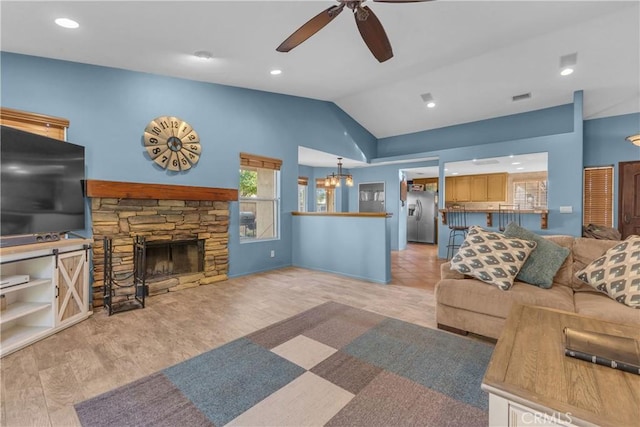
302 193
259 197
325 197
528 190
530 194
598 196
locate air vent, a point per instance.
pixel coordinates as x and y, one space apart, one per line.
486 162
521 97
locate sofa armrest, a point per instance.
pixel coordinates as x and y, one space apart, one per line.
447 273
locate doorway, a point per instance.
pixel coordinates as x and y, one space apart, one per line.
629 198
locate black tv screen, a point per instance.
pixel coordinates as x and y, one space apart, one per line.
41 183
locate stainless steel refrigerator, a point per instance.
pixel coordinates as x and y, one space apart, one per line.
422 216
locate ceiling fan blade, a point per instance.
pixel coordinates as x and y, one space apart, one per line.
400 1
311 27
374 35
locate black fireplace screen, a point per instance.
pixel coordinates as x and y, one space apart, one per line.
174 257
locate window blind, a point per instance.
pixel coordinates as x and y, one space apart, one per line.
598 196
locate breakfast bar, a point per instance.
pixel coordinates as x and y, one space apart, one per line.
544 215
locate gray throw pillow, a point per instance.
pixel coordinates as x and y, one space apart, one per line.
545 260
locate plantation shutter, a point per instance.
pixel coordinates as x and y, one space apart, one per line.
598 196
53 127
252 160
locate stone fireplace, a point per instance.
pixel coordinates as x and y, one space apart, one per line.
186 230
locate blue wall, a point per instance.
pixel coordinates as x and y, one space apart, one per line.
549 121
109 108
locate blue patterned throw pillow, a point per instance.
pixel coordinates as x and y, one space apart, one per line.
491 257
617 272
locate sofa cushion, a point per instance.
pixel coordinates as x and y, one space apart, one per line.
545 260
584 251
479 297
599 305
491 257
617 272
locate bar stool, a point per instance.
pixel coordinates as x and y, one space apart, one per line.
458 228
508 214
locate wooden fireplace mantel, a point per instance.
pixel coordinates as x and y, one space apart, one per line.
136 190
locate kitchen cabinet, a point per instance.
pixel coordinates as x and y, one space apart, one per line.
458 189
52 294
497 187
476 188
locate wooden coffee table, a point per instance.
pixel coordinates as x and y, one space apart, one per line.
532 383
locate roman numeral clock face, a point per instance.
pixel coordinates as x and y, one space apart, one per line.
172 143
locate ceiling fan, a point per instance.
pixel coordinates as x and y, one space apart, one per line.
368 24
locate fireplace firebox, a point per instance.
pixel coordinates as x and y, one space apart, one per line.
167 258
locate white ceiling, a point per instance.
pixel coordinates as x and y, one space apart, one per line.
472 56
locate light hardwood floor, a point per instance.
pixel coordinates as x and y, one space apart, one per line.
41 383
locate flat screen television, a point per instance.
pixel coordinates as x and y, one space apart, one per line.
41 185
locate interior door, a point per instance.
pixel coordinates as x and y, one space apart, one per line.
629 198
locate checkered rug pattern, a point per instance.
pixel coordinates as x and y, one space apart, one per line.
332 365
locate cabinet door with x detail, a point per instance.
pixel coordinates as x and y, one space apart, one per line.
72 290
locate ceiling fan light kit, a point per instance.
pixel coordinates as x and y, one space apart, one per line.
634 139
367 22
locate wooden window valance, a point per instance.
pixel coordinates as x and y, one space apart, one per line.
255 161
41 124
303 180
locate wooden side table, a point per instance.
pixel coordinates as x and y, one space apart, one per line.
532 383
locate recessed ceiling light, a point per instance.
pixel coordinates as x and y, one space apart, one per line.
67 23
427 98
520 168
455 173
203 55
275 72
568 63
515 163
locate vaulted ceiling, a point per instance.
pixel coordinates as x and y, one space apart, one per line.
472 56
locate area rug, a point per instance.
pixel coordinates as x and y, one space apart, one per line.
333 365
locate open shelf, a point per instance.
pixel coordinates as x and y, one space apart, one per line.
22 333
29 284
20 309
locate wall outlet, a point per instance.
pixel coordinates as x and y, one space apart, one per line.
566 209
273 253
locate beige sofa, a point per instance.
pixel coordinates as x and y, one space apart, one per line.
465 304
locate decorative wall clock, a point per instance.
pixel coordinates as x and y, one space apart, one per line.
172 143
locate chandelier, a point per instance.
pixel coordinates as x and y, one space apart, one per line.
334 179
